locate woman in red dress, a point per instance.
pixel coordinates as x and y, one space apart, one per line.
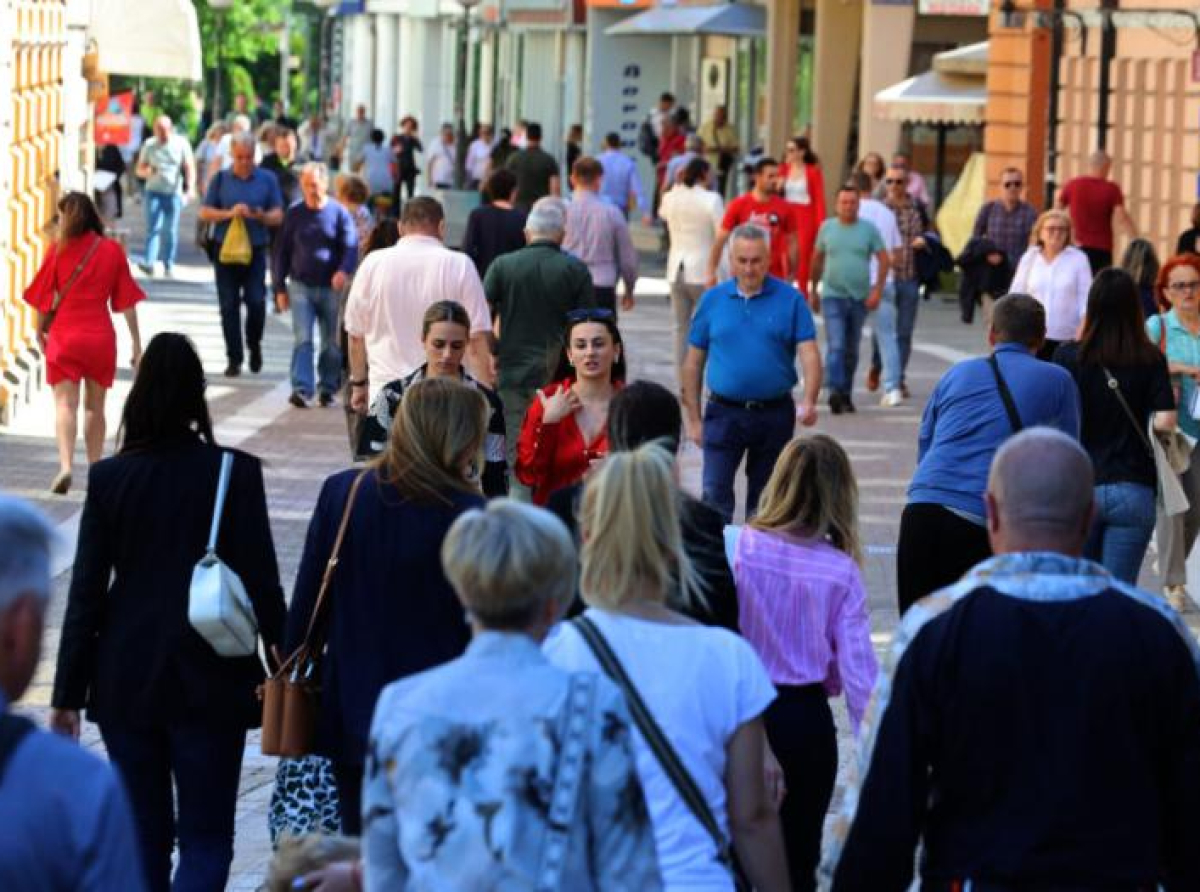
804 188
82 345
566 427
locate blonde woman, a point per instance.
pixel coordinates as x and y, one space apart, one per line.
393 612
704 686
1058 276
803 608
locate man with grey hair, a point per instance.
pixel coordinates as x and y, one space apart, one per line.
1094 203
66 820
750 331
166 164
531 291
1040 725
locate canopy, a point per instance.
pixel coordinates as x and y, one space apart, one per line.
727 19
147 38
971 59
934 98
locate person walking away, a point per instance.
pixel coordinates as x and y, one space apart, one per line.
315 257
846 246
693 147
751 372
883 335
574 146
599 236
377 167
803 608
1095 203
1057 274
672 141
536 170
693 214
358 135
1189 240
960 758
479 156
172 712
408 144
804 190
1123 382
165 162
513 570
703 687
252 195
1141 262
943 529
392 613
441 159
721 146
761 207
621 184
497 226
504 149
1008 223
82 281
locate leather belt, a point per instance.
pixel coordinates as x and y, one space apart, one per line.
774 402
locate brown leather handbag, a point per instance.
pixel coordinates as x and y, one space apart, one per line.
291 696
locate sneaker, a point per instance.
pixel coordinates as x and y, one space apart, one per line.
836 404
256 358
299 400
1177 597
147 269
873 375
233 370
892 398
325 400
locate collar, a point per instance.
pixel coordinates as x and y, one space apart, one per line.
1009 347
544 243
1173 321
736 289
419 238
1040 576
512 648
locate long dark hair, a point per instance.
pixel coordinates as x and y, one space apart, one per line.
77 213
804 147
166 402
383 234
1114 332
601 317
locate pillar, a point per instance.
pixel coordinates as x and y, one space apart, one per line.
385 71
783 53
487 80
360 53
838 31
886 55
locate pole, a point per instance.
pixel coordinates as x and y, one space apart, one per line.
940 171
220 65
460 101
285 54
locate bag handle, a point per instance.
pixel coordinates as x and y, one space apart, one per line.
60 293
1162 333
1010 407
1115 387
219 504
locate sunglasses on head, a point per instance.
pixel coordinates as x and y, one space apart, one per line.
591 314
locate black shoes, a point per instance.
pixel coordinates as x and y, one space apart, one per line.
256 358
840 402
233 370
299 400
324 399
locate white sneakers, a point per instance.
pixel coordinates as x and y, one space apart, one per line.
892 398
1177 597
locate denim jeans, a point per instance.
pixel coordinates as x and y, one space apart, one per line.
844 318
311 303
238 284
731 433
162 221
1125 517
182 780
883 339
908 300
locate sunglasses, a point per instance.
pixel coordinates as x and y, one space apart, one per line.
1014 185
894 182
591 314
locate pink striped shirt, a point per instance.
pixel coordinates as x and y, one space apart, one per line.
802 606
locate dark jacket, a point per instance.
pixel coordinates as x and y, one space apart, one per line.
127 650
980 277
392 611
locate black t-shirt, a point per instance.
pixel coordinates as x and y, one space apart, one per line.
534 169
1118 453
1189 241
406 148
491 232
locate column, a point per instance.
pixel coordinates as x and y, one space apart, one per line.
487 79
385 71
360 55
783 51
886 54
407 74
839 27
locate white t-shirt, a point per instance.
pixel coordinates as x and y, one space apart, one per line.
881 216
701 684
478 155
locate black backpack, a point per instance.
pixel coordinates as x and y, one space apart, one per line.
647 141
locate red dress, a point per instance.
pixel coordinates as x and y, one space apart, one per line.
82 342
551 456
808 218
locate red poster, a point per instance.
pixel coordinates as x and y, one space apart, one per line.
113 116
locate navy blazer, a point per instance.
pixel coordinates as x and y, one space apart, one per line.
127 650
392 612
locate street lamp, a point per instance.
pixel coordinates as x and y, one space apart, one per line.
460 97
219 6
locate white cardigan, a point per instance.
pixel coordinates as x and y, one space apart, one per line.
1060 286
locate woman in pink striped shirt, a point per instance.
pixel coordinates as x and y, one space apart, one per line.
803 608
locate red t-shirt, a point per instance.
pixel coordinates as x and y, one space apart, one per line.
1091 201
775 216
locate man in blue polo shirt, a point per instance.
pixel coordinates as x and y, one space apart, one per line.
752 328
247 191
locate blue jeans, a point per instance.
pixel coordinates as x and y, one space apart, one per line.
182 780
1125 517
311 303
908 300
238 284
844 318
162 221
731 433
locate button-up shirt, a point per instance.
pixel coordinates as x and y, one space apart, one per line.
1010 230
908 221
599 236
620 179
1060 285
693 216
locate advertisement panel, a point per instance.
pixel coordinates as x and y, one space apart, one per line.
113 119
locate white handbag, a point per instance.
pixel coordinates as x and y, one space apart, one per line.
218 607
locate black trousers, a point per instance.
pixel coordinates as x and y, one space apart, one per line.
1098 258
800 728
349 780
936 548
605 297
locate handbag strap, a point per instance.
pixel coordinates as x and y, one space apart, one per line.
1162 333
660 746
219 504
1010 407
60 293
567 780
1115 387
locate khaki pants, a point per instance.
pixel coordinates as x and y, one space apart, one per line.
684 298
1175 535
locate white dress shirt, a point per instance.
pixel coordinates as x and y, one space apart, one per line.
693 216
440 158
392 290
1061 286
479 153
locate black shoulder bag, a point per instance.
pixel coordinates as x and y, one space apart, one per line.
1010 406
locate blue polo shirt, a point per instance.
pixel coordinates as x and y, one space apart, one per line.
965 423
260 191
751 341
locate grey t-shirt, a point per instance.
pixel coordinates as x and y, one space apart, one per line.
167 158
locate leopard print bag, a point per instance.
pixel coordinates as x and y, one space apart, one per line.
305 798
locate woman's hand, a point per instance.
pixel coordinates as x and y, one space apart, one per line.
340 877
65 722
136 357
773 774
559 405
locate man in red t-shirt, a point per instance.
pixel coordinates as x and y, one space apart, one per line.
1093 203
763 207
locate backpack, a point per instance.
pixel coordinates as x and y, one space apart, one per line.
647 141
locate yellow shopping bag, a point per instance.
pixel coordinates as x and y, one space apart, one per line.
236 248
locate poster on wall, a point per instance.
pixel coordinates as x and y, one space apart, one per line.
714 85
953 7
114 119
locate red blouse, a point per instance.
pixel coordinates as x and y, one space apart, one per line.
551 456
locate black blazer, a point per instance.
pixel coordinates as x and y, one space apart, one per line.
127 651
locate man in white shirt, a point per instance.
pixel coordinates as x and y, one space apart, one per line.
391 291
479 156
222 158
881 216
439 161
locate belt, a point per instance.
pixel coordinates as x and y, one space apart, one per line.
774 402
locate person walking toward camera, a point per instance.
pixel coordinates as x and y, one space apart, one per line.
169 169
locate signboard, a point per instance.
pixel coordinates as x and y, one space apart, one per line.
953 7
114 117
714 85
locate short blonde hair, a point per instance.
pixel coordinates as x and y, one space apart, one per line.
632 543
506 561
1035 236
296 856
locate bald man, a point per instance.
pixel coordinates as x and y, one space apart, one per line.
166 164
1040 728
1094 203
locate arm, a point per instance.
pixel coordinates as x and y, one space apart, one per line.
317 545
627 259
793 250
753 821
1020 282
857 665
347 251
479 356
536 445
981 219
883 258
1124 221
714 256
495 469
639 192
555 186
283 261
818 269
143 168
693 375
358 372
135 334
810 362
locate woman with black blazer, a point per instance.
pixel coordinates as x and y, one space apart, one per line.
391 611
172 712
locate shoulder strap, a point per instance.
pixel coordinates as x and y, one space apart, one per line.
60 293
1115 387
13 729
1162 333
219 503
1010 407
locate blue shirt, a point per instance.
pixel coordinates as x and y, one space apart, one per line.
620 178
965 423
314 244
259 191
66 822
751 341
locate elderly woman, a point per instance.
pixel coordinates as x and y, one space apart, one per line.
440 807
1058 276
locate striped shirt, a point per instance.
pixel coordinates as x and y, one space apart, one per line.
599 236
802 606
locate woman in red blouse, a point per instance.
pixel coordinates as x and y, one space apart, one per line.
566 427
804 189
91 274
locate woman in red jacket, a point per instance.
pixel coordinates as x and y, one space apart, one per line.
804 188
566 427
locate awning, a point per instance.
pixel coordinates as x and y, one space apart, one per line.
934 98
971 60
147 38
726 19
